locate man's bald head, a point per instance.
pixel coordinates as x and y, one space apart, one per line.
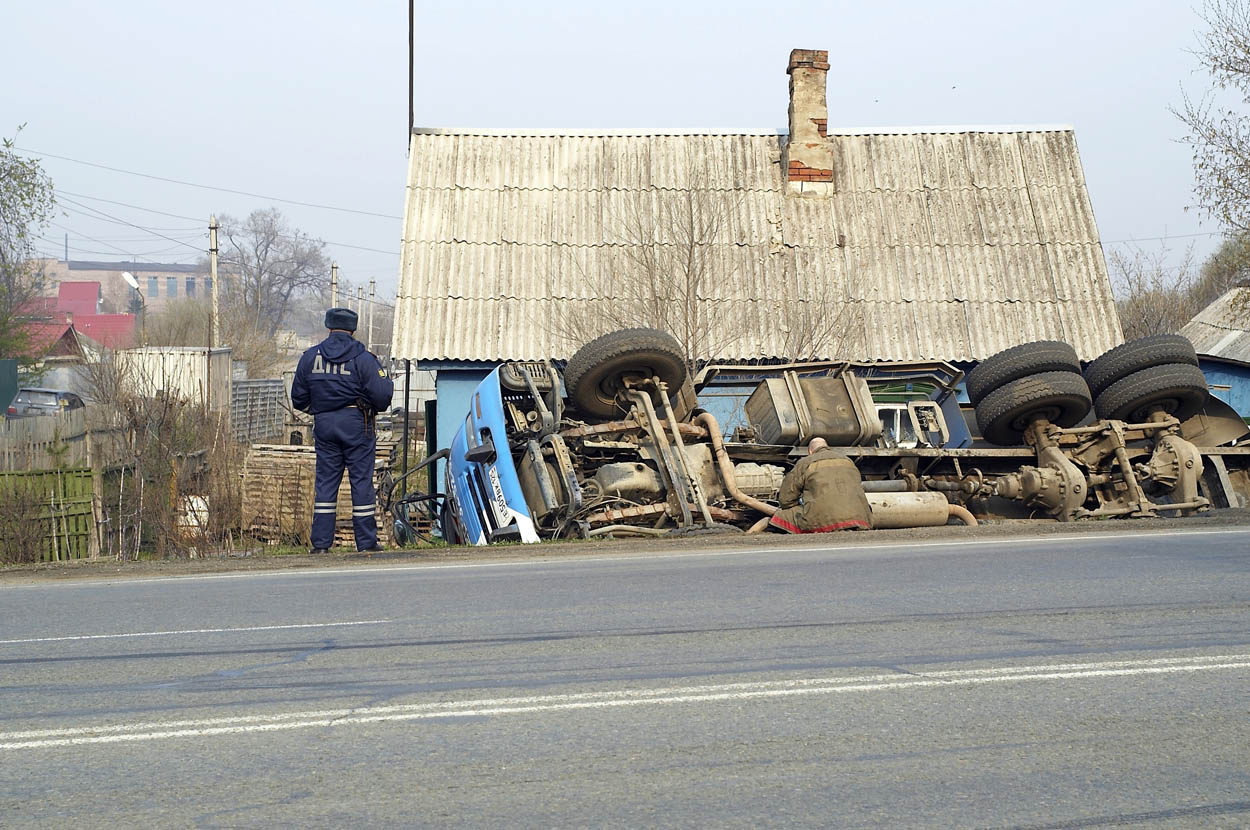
817 444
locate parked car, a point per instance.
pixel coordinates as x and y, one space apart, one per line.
31 401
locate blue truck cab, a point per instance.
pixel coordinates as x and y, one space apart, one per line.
484 499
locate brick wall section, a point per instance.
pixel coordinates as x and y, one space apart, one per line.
798 172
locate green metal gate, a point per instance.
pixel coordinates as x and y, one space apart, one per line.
61 523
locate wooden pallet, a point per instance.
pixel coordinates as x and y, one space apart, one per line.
278 482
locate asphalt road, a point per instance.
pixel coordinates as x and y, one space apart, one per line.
1056 682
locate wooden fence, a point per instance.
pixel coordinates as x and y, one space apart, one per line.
66 439
49 515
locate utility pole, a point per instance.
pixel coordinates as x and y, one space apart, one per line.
372 293
334 285
411 114
360 300
215 336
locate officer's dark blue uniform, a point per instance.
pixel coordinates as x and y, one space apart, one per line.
342 385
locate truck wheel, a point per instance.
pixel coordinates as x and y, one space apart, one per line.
1019 362
1135 355
1178 389
447 526
1060 397
599 369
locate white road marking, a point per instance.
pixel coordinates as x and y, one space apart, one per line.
490 707
659 555
190 631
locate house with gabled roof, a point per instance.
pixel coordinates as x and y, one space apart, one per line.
949 243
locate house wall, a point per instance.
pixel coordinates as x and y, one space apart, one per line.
453 389
71 377
1230 382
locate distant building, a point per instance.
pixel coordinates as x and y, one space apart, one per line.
77 305
62 355
160 282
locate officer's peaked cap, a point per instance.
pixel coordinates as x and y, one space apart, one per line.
341 318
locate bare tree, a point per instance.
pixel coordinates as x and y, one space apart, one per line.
169 449
825 324
1219 131
661 271
188 323
672 252
1152 297
1225 269
26 203
273 264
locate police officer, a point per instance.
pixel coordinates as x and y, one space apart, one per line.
343 385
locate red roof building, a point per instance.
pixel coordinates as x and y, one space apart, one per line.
38 307
113 331
78 297
45 340
76 306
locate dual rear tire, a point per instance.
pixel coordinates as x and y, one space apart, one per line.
1044 380
1035 380
1150 374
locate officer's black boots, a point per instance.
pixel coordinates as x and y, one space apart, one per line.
318 551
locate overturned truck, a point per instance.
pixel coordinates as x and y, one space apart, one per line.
625 442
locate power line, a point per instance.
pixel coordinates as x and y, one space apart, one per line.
146 256
192 219
133 225
103 239
136 207
1162 238
210 187
92 213
93 239
360 247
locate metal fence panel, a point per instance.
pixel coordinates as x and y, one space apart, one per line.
258 409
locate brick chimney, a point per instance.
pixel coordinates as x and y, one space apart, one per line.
808 159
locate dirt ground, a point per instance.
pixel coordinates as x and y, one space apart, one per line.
260 560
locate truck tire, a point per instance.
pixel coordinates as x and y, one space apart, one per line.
1019 362
1178 389
1135 355
597 371
1004 414
447 526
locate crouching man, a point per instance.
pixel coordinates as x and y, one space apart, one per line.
823 492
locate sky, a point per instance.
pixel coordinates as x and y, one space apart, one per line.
303 106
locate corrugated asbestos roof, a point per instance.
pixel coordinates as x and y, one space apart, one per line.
1222 329
948 244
